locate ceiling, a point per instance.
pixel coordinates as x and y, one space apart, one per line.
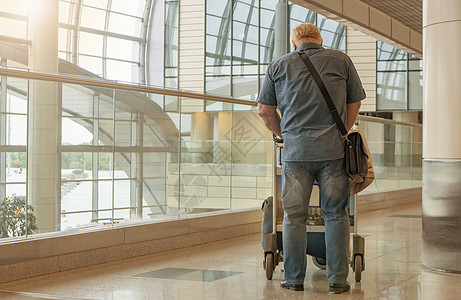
408 12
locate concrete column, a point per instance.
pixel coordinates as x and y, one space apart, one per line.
281 25
201 135
441 142
42 145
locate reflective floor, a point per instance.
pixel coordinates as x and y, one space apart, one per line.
232 269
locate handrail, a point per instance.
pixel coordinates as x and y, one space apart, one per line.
116 85
153 90
387 121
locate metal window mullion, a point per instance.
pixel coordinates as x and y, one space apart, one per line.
247 27
231 18
259 46
76 30
179 156
139 164
231 159
93 31
287 21
133 165
114 140
407 82
95 156
59 159
27 155
164 56
104 42
180 115
204 55
70 35
142 60
3 96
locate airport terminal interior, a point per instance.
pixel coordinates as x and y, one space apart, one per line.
134 165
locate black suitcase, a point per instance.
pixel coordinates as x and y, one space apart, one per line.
315 240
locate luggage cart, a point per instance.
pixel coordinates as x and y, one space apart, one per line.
315 227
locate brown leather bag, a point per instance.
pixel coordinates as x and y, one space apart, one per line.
358 183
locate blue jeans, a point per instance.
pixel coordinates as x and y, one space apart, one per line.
297 181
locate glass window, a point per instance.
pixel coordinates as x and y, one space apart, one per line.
245 87
333 33
123 133
76 166
96 3
391 90
392 65
122 166
218 33
92 64
106 129
16 28
16 127
16 98
122 49
171 34
91 44
64 12
134 8
125 24
218 85
415 64
16 166
18 7
121 193
77 131
18 189
105 191
415 90
63 34
241 10
399 79
388 52
122 71
77 101
93 18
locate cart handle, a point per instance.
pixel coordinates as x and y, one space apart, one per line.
276 138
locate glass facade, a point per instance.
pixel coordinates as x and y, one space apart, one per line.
399 79
396 150
125 155
244 36
104 37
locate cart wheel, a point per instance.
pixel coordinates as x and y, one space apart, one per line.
358 267
269 265
319 262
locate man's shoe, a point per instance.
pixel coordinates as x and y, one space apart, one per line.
338 288
294 287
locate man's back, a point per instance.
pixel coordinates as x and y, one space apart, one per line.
307 126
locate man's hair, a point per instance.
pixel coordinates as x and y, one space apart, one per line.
305 31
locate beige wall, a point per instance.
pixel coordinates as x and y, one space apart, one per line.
362 50
191 51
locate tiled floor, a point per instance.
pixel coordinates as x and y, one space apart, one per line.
233 269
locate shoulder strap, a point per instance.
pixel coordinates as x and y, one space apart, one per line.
326 95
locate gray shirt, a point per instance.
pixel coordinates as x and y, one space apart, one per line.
308 129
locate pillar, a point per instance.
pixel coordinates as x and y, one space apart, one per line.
201 136
441 141
42 144
281 31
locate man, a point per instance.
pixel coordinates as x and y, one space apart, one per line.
313 149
